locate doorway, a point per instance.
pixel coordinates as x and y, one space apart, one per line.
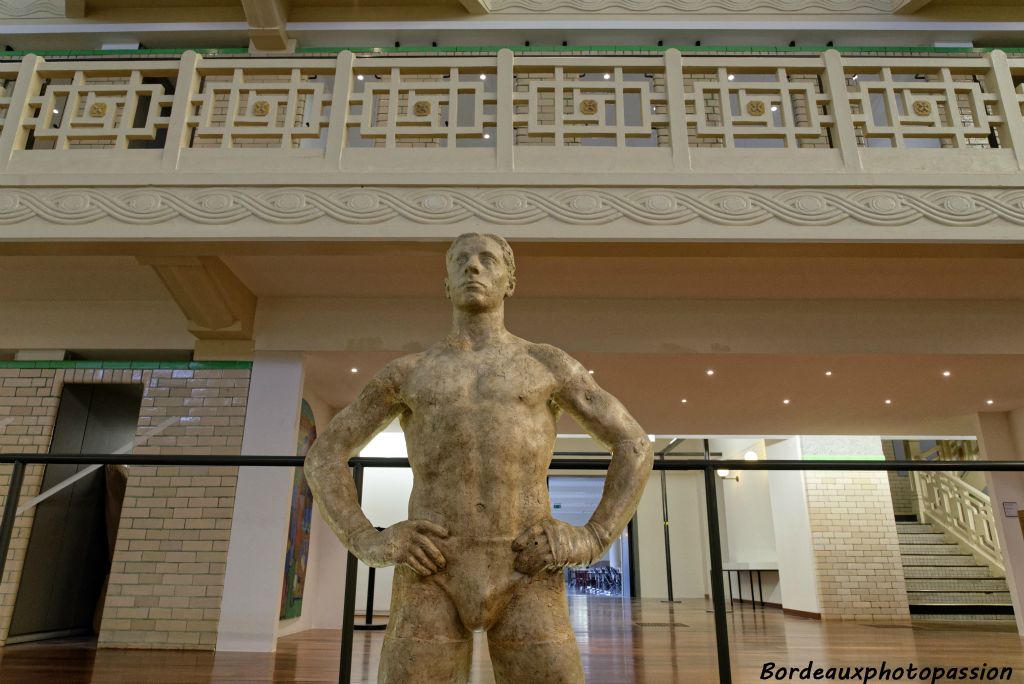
68 558
573 500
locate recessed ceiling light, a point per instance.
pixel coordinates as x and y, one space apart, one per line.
56 111
829 373
355 370
732 77
990 401
607 76
888 401
360 77
483 77
775 108
711 371
591 372
785 401
946 374
487 136
683 401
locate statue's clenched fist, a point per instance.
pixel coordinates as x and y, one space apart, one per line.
553 545
410 543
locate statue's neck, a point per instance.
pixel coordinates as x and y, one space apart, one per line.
477 329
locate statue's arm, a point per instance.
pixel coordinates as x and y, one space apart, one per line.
607 421
326 466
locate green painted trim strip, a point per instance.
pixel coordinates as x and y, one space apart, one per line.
844 457
489 49
131 365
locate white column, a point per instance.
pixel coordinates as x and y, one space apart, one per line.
255 567
1001 437
798 571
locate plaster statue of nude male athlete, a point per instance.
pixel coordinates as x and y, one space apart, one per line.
480 550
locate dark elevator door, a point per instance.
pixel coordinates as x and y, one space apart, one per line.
67 559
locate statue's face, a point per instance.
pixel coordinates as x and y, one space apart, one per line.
478 279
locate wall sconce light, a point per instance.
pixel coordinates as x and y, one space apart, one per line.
724 474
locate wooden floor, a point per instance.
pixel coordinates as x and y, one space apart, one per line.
620 641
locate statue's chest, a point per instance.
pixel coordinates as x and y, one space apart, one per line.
478 378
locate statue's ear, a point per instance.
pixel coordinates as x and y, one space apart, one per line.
511 287
447 294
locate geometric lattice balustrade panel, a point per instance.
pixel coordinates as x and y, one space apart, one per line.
422 106
751 106
100 106
597 105
913 107
1017 69
8 75
255 106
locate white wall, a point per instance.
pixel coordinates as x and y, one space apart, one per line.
689 565
748 530
1001 436
259 527
797 569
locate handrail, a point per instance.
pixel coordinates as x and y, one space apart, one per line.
360 463
962 511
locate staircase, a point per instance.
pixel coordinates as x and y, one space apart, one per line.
945 582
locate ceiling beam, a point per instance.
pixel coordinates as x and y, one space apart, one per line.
909 6
268 24
216 303
477 6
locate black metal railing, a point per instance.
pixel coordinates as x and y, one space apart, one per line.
359 464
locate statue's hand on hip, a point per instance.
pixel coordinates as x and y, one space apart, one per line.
553 545
409 543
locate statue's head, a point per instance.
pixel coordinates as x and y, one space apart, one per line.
481 272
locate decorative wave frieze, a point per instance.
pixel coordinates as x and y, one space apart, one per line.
31 9
957 208
697 6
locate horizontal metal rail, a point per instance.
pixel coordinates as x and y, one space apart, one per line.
559 463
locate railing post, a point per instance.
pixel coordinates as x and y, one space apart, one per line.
348 614
10 511
679 136
1001 79
845 138
186 86
339 109
717 585
504 113
14 134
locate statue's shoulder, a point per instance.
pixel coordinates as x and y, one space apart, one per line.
396 371
559 363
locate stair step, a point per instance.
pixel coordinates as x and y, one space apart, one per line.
969 585
961 611
946 572
926 560
958 598
1004 617
915 528
922 538
944 549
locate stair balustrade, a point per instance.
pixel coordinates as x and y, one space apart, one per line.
962 511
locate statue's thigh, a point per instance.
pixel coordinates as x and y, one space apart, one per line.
425 641
533 641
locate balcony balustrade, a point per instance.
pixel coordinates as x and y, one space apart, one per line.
883 141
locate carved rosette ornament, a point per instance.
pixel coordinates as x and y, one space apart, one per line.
421 108
588 107
261 108
923 108
98 109
756 108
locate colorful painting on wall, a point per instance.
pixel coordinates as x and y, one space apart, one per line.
298 524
